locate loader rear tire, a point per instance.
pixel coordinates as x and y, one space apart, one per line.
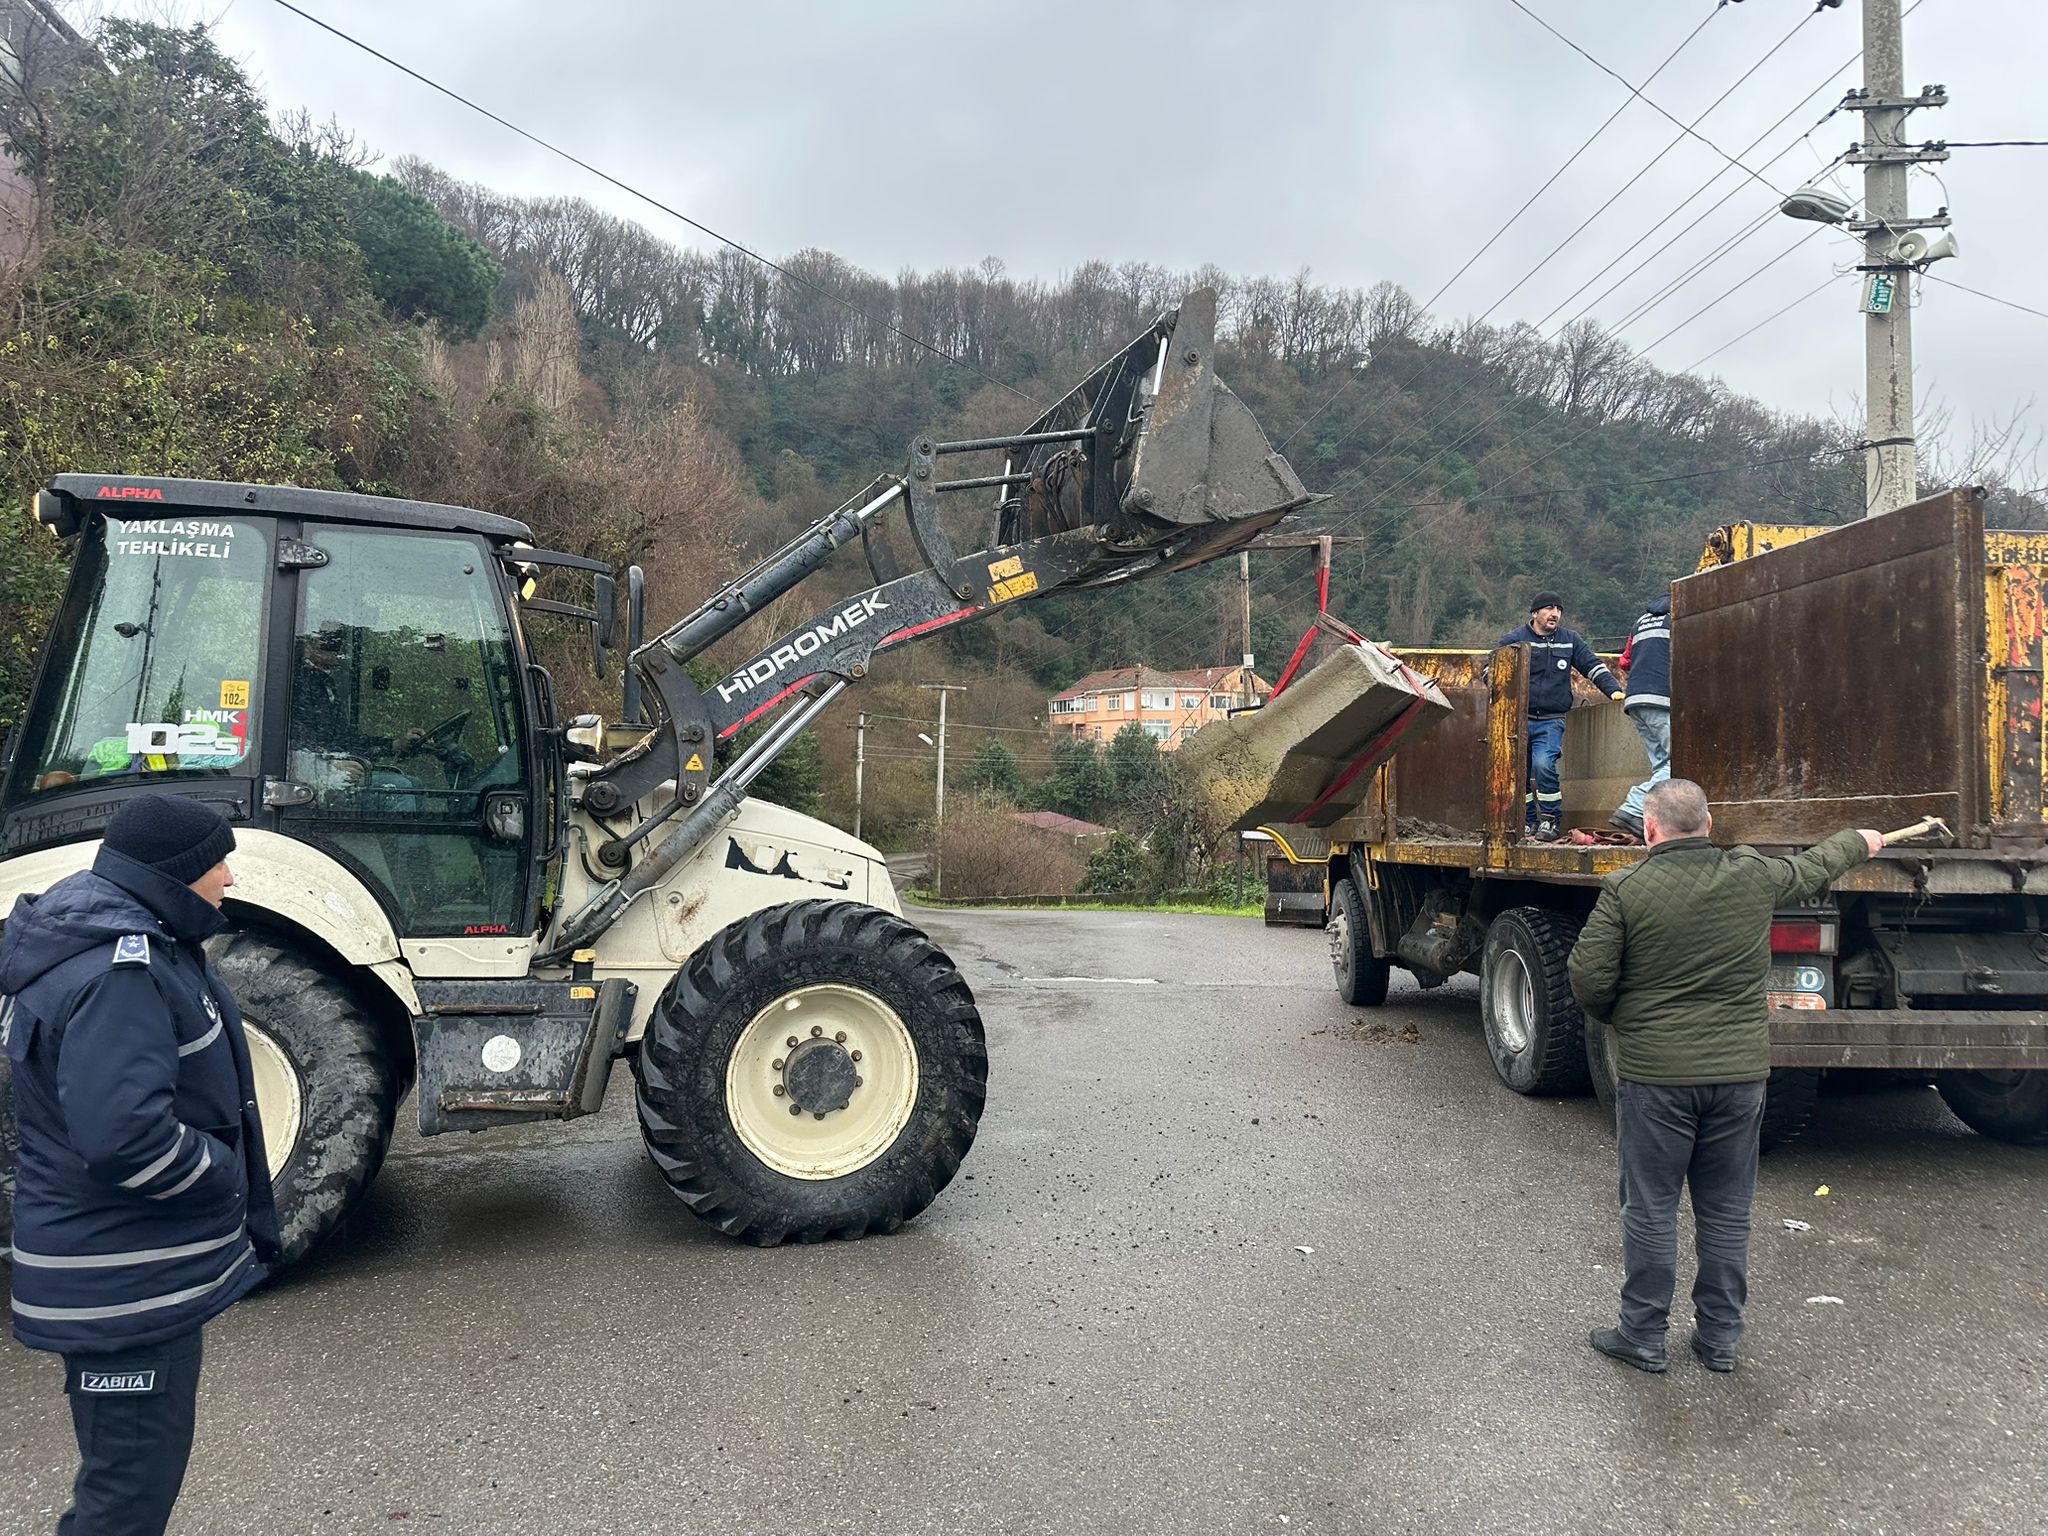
1534 1030
2006 1106
1361 975
815 1070
327 1085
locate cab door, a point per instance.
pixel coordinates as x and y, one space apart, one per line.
406 744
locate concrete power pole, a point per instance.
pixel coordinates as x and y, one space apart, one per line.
939 836
1244 587
1890 475
860 759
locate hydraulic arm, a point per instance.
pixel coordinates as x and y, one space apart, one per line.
1149 465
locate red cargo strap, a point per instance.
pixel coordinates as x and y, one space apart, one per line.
1380 746
1301 650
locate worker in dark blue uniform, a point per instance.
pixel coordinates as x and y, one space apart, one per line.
1554 654
1647 660
142 1203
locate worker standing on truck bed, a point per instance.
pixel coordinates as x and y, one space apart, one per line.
1647 661
142 1206
1554 653
1675 959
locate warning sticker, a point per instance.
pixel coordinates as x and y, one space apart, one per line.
234 695
695 764
1015 587
998 569
1809 1000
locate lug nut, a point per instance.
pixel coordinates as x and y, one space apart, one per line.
840 1037
778 1063
820 1116
856 1055
780 1091
792 1042
858 1081
817 1030
796 1109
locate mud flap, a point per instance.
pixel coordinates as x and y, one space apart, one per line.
506 1052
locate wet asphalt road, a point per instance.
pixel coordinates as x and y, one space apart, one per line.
1107 1324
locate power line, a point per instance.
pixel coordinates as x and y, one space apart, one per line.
653 202
1949 282
1492 239
1824 285
1994 143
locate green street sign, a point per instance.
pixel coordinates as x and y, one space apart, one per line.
1878 288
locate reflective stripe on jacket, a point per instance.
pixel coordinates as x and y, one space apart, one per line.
1648 658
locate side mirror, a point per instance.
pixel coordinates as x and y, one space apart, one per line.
636 636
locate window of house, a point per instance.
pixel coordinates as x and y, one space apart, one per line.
1158 700
1159 730
1191 701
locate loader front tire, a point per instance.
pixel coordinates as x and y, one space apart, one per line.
815 1070
327 1086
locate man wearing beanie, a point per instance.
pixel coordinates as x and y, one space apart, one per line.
142 1203
1554 653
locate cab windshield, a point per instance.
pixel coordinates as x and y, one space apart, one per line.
156 660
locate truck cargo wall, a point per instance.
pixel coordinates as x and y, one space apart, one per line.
1839 681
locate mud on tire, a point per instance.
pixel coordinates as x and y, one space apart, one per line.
1788 1097
708 1025
346 1080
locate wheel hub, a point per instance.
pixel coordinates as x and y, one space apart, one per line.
820 1076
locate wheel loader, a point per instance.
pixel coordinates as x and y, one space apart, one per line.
444 887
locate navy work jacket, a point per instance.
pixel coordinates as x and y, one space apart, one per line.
142 1201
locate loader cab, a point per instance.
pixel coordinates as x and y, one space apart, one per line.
346 670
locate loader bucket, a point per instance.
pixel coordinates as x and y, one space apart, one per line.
1177 472
1307 757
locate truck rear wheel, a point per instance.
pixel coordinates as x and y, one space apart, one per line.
2006 1106
326 1084
1534 1030
815 1070
1361 975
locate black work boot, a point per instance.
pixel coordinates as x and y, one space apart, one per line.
1713 1359
1546 830
1612 1343
1629 823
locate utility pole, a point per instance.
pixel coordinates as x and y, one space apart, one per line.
860 758
1890 474
1244 587
939 835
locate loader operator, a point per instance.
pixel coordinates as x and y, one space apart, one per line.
1554 654
143 1206
336 749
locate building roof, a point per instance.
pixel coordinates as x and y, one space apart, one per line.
1066 826
1151 677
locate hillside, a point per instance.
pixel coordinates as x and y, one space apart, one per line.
213 287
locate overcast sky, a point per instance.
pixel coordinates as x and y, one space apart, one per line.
1362 140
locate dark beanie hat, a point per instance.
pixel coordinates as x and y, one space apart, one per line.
181 839
1544 600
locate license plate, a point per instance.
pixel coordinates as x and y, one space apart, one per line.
1796 1000
1798 978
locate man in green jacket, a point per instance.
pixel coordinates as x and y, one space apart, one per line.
1675 960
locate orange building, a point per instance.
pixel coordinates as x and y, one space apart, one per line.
1171 706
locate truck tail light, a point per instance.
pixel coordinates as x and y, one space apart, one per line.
1804 938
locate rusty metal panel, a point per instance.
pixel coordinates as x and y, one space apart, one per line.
1930 1039
1832 679
1438 784
2014 614
1743 541
1507 754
